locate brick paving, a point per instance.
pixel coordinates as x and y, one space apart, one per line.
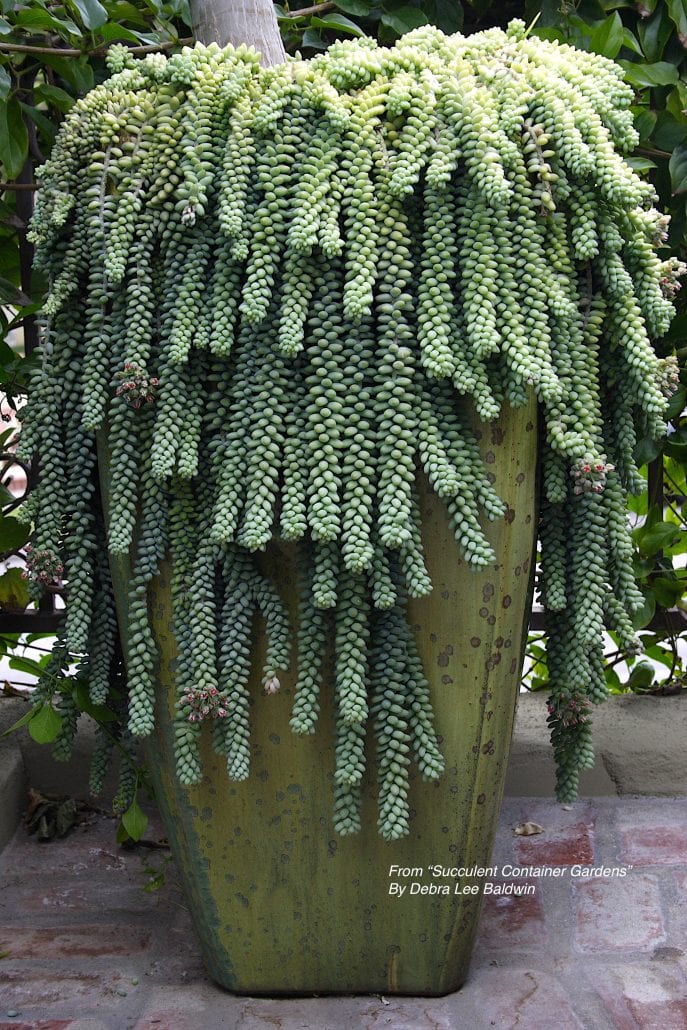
85 947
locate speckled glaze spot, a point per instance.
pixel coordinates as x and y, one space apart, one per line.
491 478
529 427
442 660
497 435
490 457
488 748
275 738
526 564
498 642
487 591
481 798
449 649
507 601
509 517
433 637
520 478
491 621
483 612
446 679
475 641
513 666
518 570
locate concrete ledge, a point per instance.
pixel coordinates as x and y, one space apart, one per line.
13 780
639 743
640 748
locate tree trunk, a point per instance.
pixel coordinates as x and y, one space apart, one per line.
252 22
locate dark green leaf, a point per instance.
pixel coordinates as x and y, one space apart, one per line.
59 98
653 34
13 534
48 128
641 677
678 14
662 73
669 131
646 450
5 82
14 593
404 19
113 32
677 402
663 534
101 713
135 821
445 14
28 665
45 725
14 139
640 164
645 121
677 101
676 449
39 19
76 71
313 40
667 591
337 23
607 38
678 169
645 614
9 294
631 42
659 655
92 13
358 8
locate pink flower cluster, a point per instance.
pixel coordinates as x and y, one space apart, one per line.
590 474
42 567
672 272
669 376
137 386
571 710
205 704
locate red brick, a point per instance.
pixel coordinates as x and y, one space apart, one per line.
654 845
21 988
568 845
41 1024
60 942
85 899
512 920
618 914
651 997
522 998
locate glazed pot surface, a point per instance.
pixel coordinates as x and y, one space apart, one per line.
282 905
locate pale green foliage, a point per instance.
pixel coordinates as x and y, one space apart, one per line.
326 265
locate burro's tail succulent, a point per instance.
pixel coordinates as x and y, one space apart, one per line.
282 292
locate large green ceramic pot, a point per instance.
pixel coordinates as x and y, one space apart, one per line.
280 903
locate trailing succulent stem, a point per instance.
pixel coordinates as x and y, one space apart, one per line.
290 286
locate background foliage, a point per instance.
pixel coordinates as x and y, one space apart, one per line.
52 52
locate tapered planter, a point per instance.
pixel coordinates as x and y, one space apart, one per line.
281 904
